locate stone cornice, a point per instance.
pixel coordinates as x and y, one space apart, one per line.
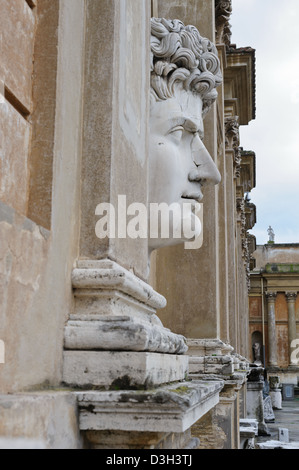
282 268
248 170
239 79
173 407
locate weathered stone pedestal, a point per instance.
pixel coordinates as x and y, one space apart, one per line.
255 404
121 357
276 399
275 392
212 360
210 357
114 338
248 433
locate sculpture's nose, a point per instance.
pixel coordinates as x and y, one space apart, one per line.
206 171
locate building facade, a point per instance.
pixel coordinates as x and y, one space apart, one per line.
274 308
97 350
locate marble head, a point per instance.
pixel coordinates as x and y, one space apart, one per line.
185 72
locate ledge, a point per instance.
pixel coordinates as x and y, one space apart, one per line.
175 407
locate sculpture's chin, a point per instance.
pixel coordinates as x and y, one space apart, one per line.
187 229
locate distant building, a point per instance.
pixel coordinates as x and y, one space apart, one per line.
274 308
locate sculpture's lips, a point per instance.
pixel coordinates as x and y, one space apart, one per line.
196 196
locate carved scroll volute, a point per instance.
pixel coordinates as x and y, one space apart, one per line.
291 296
232 141
223 11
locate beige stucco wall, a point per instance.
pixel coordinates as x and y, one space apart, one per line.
36 264
116 117
277 253
189 279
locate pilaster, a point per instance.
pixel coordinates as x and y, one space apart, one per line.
215 360
292 334
272 340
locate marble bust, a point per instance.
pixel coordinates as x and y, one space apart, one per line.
257 353
185 71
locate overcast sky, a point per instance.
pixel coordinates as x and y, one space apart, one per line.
271 27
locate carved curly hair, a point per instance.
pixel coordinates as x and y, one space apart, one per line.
180 54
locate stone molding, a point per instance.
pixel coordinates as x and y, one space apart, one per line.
115 310
122 369
173 407
211 365
203 347
121 333
211 359
106 274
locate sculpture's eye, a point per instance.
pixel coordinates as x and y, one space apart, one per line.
177 133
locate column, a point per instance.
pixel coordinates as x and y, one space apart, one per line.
272 343
232 143
291 299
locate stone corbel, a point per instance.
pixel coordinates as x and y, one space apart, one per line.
240 206
223 11
232 142
232 133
